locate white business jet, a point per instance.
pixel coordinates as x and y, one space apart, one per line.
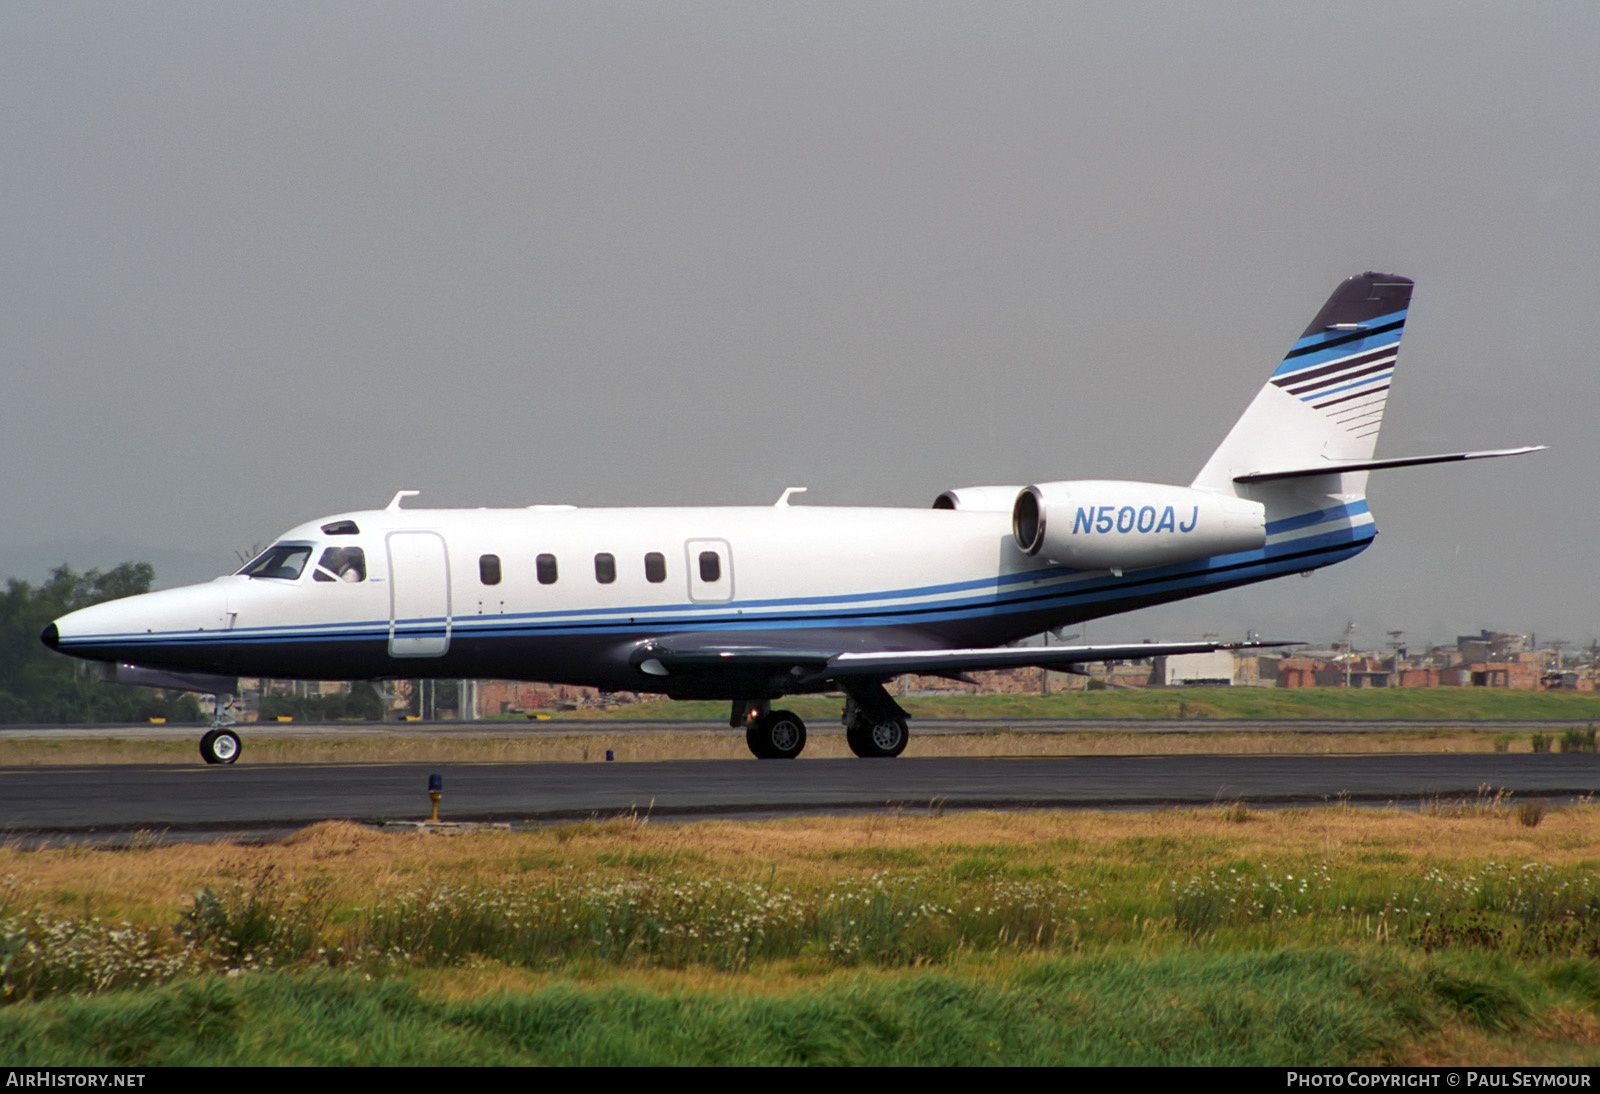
751 604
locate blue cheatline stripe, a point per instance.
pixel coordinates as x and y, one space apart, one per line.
990 591
1366 381
1298 381
1325 346
1310 556
1332 337
1275 559
984 588
1319 516
1365 348
1342 339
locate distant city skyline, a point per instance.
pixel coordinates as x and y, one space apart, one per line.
266 262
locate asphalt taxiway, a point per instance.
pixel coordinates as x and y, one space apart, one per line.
104 801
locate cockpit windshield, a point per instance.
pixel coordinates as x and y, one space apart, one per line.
282 560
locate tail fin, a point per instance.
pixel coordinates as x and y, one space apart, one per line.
1325 402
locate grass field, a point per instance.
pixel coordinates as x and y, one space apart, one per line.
590 745
1466 704
1000 728
1468 932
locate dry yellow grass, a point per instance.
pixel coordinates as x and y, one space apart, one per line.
152 882
1563 1039
261 747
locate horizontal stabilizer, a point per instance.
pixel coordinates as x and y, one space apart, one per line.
1335 467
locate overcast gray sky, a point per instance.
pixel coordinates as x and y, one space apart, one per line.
265 261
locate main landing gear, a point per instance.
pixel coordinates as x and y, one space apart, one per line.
871 739
775 735
220 745
874 725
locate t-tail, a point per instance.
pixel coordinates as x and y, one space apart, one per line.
1304 446
1322 407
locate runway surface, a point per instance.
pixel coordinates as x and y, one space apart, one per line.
559 727
101 801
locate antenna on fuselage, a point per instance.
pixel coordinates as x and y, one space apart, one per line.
789 492
394 502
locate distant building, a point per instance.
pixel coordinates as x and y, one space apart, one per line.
1427 676
1215 669
1490 646
501 697
1516 675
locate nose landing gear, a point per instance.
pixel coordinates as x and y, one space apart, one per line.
220 745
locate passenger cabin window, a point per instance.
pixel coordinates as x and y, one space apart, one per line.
545 568
710 566
341 564
281 560
655 567
605 568
489 569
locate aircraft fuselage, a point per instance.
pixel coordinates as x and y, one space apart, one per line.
568 595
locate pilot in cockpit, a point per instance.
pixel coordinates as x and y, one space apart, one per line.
342 564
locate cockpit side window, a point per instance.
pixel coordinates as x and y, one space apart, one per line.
341 564
281 560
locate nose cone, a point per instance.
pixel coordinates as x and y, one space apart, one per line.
151 623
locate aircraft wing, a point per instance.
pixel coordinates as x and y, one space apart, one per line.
695 657
946 662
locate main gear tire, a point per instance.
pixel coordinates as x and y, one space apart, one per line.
880 739
777 735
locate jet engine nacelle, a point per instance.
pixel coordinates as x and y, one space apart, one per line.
979 499
1105 525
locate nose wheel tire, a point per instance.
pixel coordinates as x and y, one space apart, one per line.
220 746
778 735
881 738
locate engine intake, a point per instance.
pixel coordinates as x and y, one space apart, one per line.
979 499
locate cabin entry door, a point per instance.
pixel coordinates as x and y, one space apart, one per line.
419 595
